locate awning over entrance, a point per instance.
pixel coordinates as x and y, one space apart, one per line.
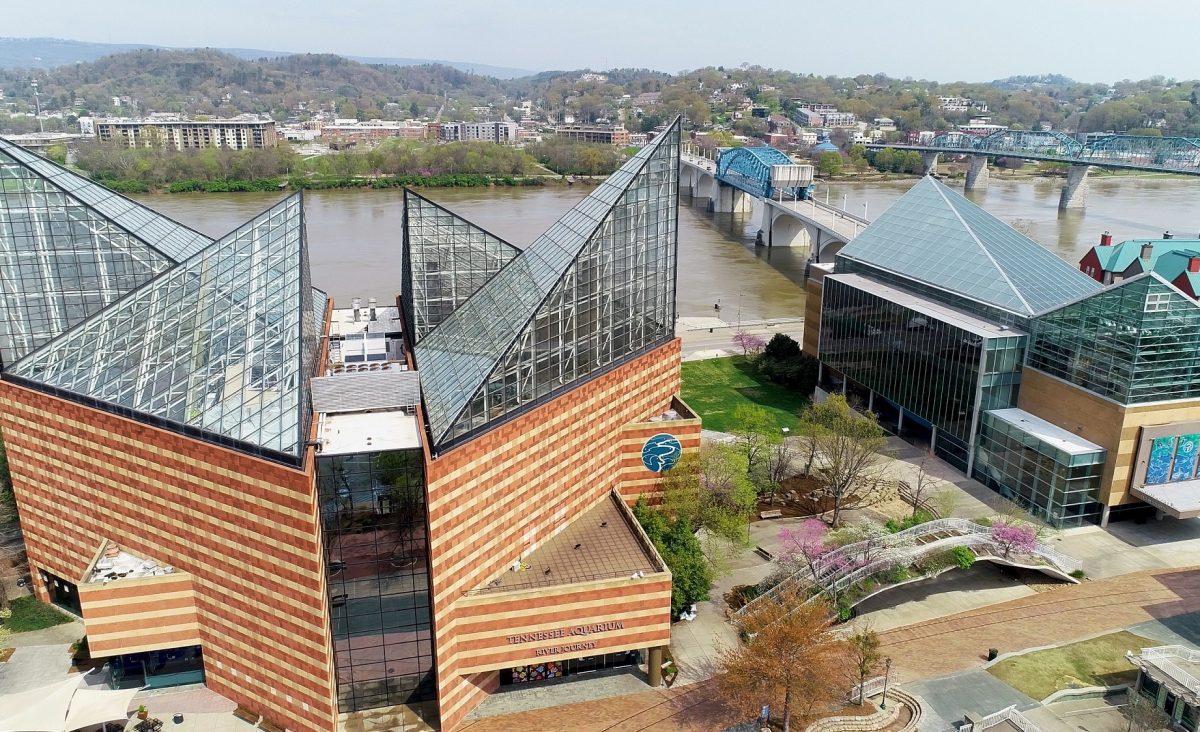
1178 500
62 707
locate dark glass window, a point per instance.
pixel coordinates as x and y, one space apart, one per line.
373 513
1060 487
940 372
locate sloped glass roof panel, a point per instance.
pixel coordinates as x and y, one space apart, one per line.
456 358
936 236
616 299
61 261
447 259
1134 342
176 241
224 342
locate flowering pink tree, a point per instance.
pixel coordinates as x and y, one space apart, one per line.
806 543
748 342
1014 537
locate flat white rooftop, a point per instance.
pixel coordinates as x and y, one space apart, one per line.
925 306
1047 432
387 320
356 432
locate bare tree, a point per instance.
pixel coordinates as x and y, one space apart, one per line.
1143 714
847 447
792 662
778 464
919 489
946 501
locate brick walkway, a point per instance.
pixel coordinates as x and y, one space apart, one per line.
928 649
690 708
960 642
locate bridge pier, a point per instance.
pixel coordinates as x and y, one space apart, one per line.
729 200
929 162
977 173
1074 193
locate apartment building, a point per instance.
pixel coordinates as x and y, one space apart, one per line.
239 133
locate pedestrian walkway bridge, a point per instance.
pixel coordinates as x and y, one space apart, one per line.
836 571
731 178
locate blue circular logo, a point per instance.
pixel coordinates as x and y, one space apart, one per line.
661 452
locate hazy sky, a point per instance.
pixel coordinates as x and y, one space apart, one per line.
969 40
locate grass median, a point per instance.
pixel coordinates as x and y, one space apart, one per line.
1096 662
715 387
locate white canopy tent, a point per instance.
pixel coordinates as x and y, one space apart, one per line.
97 706
62 707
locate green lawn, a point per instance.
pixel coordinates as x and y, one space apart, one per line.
715 387
1096 662
29 614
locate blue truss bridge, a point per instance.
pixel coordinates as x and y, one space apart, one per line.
1129 152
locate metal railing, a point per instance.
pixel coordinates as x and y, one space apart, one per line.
1163 657
847 565
1008 714
868 688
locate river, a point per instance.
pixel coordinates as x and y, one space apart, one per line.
355 236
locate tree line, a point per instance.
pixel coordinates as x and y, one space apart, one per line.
219 169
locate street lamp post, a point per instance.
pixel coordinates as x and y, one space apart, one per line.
887 671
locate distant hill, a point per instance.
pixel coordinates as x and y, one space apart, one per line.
48 53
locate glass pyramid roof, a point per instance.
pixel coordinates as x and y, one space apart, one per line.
597 286
446 260
936 236
223 343
171 238
61 259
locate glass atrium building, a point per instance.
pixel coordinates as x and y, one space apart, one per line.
332 513
961 332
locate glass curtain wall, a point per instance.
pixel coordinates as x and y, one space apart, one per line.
548 305
615 300
929 367
447 259
1056 485
373 513
1136 342
60 261
223 343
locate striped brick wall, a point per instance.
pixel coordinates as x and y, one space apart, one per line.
245 529
494 499
635 479
488 623
144 614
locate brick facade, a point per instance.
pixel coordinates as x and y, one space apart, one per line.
494 499
245 529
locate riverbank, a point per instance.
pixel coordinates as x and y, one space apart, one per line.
296 183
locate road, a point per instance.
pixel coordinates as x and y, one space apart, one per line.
713 337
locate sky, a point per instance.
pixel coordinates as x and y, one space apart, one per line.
966 40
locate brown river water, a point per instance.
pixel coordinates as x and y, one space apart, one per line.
354 236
